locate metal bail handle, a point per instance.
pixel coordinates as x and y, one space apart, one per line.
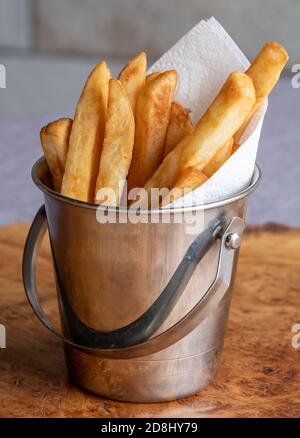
150 321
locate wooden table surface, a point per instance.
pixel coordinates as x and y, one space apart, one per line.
259 374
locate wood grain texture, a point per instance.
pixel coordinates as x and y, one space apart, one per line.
260 371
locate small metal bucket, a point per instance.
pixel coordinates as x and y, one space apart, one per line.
142 319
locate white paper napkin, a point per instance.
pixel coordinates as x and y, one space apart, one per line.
204 58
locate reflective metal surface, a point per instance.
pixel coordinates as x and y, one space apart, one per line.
111 274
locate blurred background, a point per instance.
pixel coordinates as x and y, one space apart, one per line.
49 46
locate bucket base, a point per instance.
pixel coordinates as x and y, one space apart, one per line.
144 381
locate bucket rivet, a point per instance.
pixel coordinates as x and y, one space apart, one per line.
233 241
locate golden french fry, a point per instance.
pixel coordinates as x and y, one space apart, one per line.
86 138
55 143
118 144
190 179
153 75
265 71
152 118
222 119
179 126
133 76
235 148
219 158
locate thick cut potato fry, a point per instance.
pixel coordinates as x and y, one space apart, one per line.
86 137
235 148
264 71
152 119
153 75
118 144
190 179
180 125
133 77
55 143
219 158
222 119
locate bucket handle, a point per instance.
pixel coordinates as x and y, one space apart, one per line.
230 238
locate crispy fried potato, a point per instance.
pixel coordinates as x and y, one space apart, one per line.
118 144
133 77
86 137
222 119
190 179
153 75
179 126
219 158
235 148
152 118
265 71
55 143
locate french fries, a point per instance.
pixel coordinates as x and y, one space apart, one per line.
219 158
86 138
118 144
55 143
235 148
133 77
222 119
152 118
190 179
179 126
264 71
132 128
153 75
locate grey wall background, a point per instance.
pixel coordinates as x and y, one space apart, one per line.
122 27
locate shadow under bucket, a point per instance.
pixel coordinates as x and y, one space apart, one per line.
144 303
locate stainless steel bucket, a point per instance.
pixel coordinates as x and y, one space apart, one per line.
143 305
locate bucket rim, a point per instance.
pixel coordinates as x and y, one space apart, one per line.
256 178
